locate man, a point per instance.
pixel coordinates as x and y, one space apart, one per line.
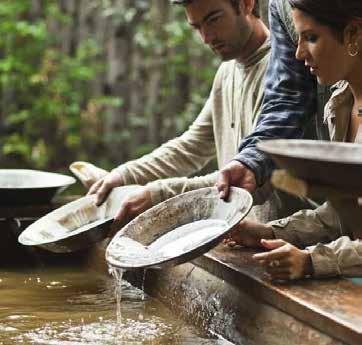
290 103
234 31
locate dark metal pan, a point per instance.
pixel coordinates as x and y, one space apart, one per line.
29 187
178 229
321 162
77 225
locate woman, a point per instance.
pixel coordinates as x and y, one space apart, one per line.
330 43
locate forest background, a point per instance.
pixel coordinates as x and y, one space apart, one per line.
97 80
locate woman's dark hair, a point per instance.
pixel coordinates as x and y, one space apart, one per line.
336 14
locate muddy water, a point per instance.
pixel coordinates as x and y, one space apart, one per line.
73 306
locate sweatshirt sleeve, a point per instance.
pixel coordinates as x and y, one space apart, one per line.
309 227
164 189
182 156
283 114
340 257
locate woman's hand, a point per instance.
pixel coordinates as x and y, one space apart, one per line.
284 261
249 234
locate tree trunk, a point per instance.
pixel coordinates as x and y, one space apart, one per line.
157 70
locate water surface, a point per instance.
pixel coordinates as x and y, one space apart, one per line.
74 306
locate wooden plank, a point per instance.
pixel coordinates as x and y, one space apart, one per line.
227 291
333 306
234 311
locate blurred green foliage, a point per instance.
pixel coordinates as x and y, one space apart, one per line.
47 89
46 96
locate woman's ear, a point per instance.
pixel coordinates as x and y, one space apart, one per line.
353 39
353 33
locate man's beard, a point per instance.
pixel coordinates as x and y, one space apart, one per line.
226 52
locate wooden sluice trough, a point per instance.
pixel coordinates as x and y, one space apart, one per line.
228 293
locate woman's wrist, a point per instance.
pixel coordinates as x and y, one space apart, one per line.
308 264
268 232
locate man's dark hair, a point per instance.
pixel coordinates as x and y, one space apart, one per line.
234 3
336 14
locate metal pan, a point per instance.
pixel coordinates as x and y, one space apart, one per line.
29 187
178 230
77 225
321 162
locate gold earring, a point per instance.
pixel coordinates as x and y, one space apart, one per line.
353 49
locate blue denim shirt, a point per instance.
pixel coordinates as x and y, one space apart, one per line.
290 99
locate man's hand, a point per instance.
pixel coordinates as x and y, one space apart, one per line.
249 234
285 261
104 186
235 174
133 205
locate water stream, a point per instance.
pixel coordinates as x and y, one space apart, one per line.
117 274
